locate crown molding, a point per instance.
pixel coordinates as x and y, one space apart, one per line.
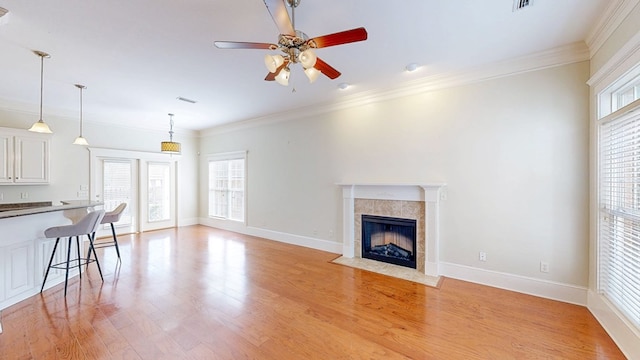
625 58
563 55
608 22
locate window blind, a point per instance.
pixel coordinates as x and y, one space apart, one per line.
227 189
117 188
619 221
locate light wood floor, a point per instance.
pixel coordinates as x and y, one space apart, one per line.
202 293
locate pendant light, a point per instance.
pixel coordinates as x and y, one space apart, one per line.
170 147
80 140
40 126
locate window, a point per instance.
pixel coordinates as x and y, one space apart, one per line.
619 203
626 95
620 93
227 186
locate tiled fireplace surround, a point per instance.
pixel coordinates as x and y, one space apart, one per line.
419 202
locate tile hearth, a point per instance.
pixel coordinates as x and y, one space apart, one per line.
396 271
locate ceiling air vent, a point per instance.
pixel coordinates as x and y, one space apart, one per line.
186 100
521 4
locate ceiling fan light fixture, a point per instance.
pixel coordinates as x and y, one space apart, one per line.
273 62
283 77
307 58
312 73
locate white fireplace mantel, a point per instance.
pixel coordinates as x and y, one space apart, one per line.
429 193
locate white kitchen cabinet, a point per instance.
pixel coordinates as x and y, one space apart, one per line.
24 157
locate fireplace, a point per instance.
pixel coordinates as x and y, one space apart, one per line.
418 202
389 239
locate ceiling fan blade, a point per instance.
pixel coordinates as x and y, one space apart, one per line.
272 75
244 45
326 69
280 16
339 38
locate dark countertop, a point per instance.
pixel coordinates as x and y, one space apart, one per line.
23 209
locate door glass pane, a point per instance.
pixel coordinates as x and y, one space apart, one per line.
159 204
117 187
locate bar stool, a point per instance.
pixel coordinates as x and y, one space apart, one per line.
86 226
110 218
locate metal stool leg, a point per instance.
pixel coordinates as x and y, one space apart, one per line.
94 253
78 252
115 240
50 262
89 249
66 276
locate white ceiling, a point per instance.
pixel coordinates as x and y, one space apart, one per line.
137 56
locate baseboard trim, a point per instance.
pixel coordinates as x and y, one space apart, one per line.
314 243
623 334
543 288
188 222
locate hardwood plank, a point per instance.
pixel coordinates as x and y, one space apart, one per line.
203 293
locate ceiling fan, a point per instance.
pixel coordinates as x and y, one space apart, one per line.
296 45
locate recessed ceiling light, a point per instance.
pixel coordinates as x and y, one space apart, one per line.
411 67
343 86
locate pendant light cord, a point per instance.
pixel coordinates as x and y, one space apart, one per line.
41 82
81 111
171 127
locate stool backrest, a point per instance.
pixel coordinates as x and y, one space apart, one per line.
114 215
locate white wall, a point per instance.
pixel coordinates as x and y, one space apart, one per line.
513 151
70 163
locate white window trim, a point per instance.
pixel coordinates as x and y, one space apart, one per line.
602 83
233 155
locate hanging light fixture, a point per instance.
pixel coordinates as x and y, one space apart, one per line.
81 140
170 147
40 126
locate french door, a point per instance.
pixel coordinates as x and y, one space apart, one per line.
116 182
158 195
145 181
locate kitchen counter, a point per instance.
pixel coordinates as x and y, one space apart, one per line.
43 207
25 250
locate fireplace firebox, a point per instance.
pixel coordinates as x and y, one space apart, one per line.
388 239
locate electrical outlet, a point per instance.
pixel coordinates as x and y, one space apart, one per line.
482 256
544 267
24 195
